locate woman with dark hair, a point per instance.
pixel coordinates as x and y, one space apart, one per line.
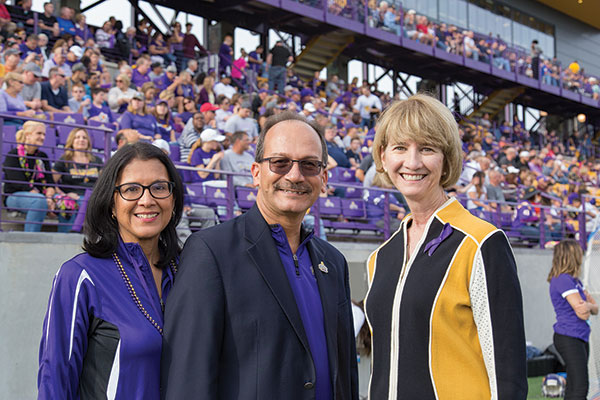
102 335
476 193
573 306
166 126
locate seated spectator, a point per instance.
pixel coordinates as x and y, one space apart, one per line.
137 117
494 190
168 80
75 171
207 153
223 113
334 150
470 48
47 21
5 23
65 21
476 193
128 44
190 134
207 94
79 75
375 203
237 159
166 126
224 87
186 86
43 46
354 154
27 174
410 27
189 108
10 98
160 50
54 94
32 89
156 71
12 58
30 46
149 91
24 15
140 72
77 103
208 114
58 60
93 82
105 37
74 55
121 94
82 30
242 121
526 220
93 63
99 110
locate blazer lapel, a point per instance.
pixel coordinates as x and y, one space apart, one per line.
327 282
265 256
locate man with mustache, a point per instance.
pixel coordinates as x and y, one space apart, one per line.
261 307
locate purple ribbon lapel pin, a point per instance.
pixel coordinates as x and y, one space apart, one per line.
433 245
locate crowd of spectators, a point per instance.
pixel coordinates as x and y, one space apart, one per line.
210 118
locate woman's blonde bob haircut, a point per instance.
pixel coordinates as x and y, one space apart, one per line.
426 121
567 259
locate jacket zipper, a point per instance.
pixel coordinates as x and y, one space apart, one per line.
296 264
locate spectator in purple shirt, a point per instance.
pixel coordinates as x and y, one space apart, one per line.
226 55
136 117
573 306
99 110
141 72
30 46
207 153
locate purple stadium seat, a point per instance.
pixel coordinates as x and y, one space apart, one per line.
98 138
353 208
330 207
346 175
175 151
63 133
71 118
195 192
354 192
332 174
216 196
9 134
245 196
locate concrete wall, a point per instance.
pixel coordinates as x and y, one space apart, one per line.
29 261
574 39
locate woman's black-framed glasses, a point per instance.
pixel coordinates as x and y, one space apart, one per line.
283 165
134 191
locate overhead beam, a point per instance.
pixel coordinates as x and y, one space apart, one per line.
92 6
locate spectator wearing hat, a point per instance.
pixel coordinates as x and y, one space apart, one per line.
78 75
168 80
54 93
99 110
30 46
12 58
74 56
32 89
223 113
77 102
166 125
238 159
47 21
208 112
308 110
523 161
277 59
224 87
58 60
242 121
207 153
137 117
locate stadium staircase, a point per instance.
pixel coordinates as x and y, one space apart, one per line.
496 102
319 52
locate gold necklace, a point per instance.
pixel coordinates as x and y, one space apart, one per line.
134 295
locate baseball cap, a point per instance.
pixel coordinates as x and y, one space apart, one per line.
138 95
172 68
78 51
78 67
524 154
288 88
12 52
33 67
246 104
155 64
208 135
163 145
310 107
208 107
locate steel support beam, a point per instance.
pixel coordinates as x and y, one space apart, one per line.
92 6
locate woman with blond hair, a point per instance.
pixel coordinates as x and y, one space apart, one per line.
27 176
121 94
207 95
11 100
444 302
573 306
75 171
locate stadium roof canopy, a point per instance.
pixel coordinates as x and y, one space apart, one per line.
587 11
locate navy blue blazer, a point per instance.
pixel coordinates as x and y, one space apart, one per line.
232 328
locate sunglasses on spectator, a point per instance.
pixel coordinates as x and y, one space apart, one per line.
283 165
119 80
135 191
63 75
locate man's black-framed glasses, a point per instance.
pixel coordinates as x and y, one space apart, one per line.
283 165
134 191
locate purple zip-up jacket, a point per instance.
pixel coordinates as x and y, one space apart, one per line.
96 343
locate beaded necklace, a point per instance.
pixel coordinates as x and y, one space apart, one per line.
134 295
